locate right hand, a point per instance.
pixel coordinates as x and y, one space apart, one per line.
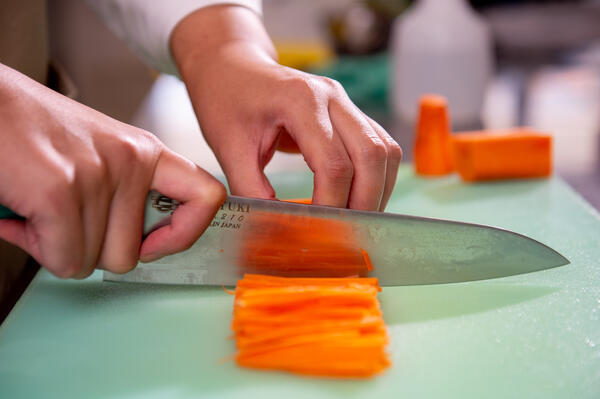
81 178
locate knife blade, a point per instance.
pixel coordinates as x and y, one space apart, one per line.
404 250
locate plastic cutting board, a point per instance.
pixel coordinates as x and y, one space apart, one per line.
527 336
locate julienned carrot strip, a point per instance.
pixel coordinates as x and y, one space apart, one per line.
255 280
513 153
252 318
317 326
366 259
432 151
305 201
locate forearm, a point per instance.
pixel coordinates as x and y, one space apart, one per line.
210 32
147 26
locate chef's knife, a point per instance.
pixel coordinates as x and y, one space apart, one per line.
404 250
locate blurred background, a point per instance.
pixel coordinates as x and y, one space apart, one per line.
501 63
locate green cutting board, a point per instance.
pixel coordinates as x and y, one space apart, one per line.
529 336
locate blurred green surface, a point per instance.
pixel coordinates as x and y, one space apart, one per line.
364 77
527 336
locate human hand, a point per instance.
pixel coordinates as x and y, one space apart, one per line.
81 178
248 106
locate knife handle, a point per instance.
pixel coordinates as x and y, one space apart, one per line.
157 213
6 213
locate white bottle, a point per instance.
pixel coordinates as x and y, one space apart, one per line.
442 47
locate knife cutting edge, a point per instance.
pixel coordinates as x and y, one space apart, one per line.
281 238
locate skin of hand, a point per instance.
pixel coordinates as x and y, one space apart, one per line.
81 179
248 106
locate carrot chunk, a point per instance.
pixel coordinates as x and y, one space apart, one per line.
508 154
432 151
316 326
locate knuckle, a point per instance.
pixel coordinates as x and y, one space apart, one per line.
299 83
338 168
375 151
303 88
395 151
215 193
334 85
136 146
128 151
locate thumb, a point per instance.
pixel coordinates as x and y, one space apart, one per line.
200 196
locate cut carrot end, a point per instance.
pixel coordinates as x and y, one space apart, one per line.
433 101
433 152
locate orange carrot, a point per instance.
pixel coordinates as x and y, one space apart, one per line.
432 149
306 201
316 326
299 246
367 259
513 153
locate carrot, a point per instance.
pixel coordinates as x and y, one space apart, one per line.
305 201
368 263
315 326
513 153
432 149
301 246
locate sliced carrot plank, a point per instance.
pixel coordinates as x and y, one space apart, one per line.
507 154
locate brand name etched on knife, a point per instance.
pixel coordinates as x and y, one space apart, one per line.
235 207
230 215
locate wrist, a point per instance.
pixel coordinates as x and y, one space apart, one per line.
215 33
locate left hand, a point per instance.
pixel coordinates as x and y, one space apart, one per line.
248 106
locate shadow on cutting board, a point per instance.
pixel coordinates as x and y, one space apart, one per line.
432 302
97 293
458 192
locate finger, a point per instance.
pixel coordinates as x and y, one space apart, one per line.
200 196
54 236
122 238
367 152
394 157
95 217
244 170
325 154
